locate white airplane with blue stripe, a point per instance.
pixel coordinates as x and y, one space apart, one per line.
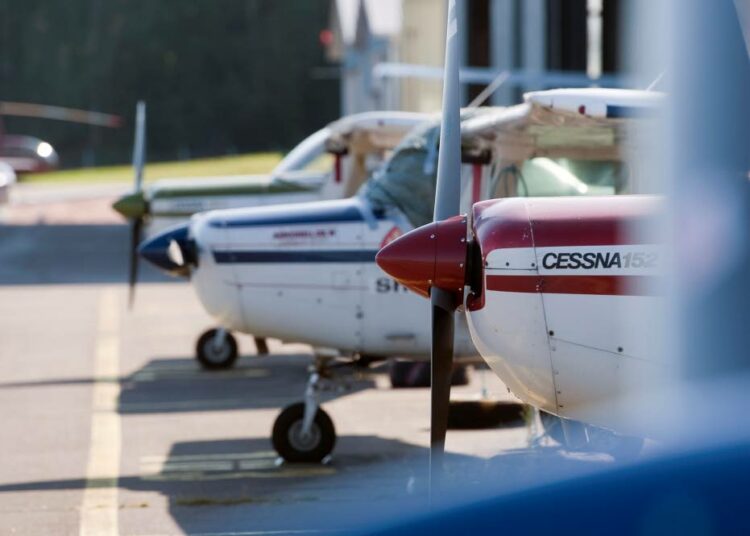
306 272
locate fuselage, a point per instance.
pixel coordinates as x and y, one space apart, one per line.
569 298
173 201
307 273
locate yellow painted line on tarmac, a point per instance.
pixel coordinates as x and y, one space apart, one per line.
100 498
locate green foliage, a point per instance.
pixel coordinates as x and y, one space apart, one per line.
218 76
245 164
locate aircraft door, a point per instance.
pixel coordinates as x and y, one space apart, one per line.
305 284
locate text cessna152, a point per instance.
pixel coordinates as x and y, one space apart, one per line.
329 164
556 291
306 272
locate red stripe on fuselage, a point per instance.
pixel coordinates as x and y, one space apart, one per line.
557 222
601 285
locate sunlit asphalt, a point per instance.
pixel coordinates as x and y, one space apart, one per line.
110 427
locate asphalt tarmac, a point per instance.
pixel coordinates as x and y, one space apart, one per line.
110 427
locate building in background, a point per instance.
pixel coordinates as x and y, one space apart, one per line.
544 43
362 34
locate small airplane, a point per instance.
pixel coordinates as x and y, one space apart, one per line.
306 272
330 163
544 283
27 154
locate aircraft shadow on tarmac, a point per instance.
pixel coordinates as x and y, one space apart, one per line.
171 385
68 254
179 385
233 485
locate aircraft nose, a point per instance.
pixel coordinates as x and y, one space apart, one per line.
131 206
171 251
434 255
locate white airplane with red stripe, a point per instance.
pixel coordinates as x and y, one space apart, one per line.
560 296
558 292
565 312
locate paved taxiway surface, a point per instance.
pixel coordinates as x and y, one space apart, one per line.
109 426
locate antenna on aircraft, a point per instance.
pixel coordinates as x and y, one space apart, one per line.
487 92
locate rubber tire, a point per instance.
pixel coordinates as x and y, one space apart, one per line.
280 436
405 373
211 364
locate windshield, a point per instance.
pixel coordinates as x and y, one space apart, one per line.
407 180
307 155
547 177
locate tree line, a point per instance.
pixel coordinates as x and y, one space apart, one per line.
218 76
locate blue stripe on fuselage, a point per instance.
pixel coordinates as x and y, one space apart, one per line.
299 256
616 112
341 211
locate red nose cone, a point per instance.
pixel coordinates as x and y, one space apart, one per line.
410 259
431 256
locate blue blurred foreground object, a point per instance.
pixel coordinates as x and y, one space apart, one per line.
702 492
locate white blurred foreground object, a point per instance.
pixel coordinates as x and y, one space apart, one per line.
7 179
708 159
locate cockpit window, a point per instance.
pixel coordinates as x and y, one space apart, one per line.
548 177
407 180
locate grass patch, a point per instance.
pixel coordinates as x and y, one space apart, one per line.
246 164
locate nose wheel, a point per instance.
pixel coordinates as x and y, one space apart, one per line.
302 435
303 432
216 349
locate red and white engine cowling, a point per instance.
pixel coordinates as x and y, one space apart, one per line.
565 315
561 298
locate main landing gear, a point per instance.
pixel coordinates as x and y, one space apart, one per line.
303 432
216 349
574 435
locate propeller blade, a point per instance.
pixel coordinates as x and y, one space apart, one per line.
136 225
442 366
448 190
136 231
139 144
447 204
